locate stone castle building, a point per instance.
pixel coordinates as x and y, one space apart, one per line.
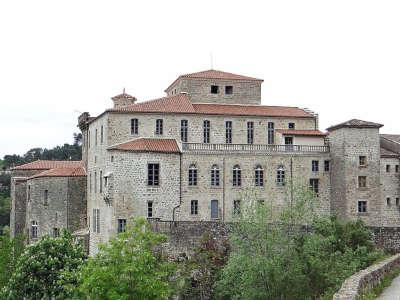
191 156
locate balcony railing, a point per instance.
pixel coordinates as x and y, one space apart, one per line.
259 148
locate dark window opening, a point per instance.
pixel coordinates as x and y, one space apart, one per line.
362 181
271 133
159 126
214 89
388 201
315 166
236 176
134 126
228 132
250 132
280 176
314 186
153 174
214 175
34 229
292 125
228 90
388 168
121 225
194 207
150 209
362 161
56 232
46 197
362 206
206 131
236 207
184 131
327 165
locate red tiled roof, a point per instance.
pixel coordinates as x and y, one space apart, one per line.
62 172
302 132
355 123
215 74
49 164
181 104
149 145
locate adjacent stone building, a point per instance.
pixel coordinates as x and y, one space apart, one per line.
194 155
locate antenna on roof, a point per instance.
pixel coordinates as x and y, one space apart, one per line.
211 61
123 91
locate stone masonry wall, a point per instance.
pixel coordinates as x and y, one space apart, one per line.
390 192
18 206
244 92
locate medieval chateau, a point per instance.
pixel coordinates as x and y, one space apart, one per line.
189 155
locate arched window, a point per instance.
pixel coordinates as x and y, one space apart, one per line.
259 176
192 174
280 175
237 176
214 175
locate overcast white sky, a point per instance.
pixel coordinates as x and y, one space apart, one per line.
58 58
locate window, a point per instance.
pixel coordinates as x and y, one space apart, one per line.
96 220
388 200
46 197
271 133
159 126
184 131
112 158
228 132
315 166
95 137
134 126
101 182
214 89
90 182
362 161
388 168
280 176
397 201
228 90
192 175
236 176
214 175
56 232
327 165
362 181
150 209
214 209
291 125
288 143
396 168
362 206
121 225
34 229
29 193
194 207
259 176
314 185
88 138
101 134
206 131
250 132
153 174
95 182
236 207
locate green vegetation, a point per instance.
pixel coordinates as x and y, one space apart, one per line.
10 251
274 257
128 267
43 270
385 282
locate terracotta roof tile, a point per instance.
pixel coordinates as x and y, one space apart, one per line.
302 132
49 164
62 172
148 145
388 154
392 137
355 123
181 104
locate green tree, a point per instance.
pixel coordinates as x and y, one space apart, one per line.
40 270
129 267
10 251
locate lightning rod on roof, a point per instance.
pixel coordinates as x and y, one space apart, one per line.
123 91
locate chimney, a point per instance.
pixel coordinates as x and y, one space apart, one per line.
123 100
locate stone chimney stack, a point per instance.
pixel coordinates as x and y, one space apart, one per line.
123 100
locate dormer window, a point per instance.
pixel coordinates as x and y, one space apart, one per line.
214 89
228 90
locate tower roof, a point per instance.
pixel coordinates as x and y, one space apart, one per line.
355 123
215 74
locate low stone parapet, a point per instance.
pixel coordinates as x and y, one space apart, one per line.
366 279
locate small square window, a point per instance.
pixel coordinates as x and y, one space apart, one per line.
327 165
121 225
56 232
362 206
228 90
214 89
362 181
292 125
388 168
362 161
397 201
396 168
388 201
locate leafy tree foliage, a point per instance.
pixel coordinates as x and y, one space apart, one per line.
277 255
10 250
40 270
128 267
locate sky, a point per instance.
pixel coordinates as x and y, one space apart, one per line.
60 58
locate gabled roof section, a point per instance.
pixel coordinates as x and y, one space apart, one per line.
355 123
148 145
392 137
173 104
123 96
215 74
181 104
61 172
385 153
314 133
49 164
250 110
